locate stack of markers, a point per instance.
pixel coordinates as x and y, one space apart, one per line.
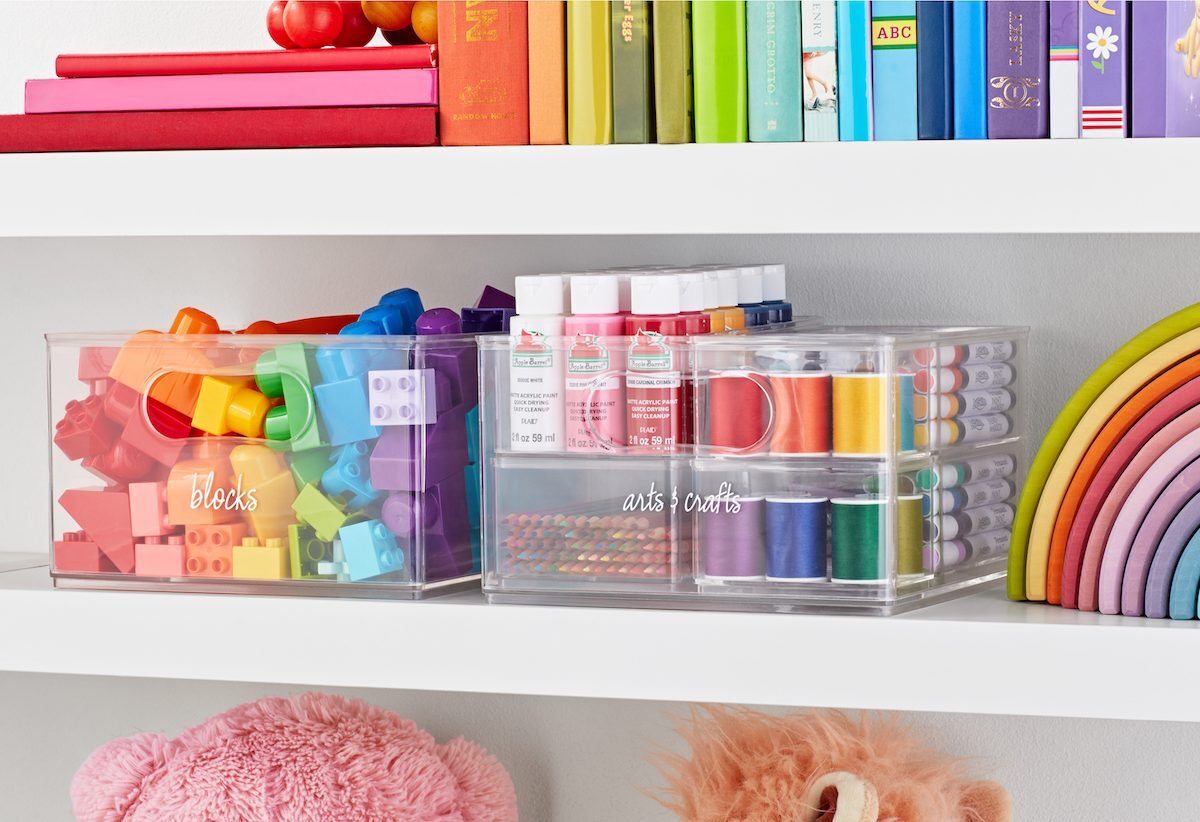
618 545
969 509
964 392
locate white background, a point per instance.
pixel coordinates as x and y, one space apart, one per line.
573 760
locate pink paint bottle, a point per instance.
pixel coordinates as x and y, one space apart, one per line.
595 364
653 381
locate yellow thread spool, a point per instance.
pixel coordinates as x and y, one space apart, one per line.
909 542
858 427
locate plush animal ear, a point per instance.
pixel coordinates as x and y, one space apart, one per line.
109 783
485 789
840 797
986 802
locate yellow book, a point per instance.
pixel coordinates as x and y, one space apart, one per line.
589 73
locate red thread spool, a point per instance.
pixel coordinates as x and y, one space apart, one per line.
737 409
802 413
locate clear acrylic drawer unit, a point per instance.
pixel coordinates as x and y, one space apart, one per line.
867 470
268 464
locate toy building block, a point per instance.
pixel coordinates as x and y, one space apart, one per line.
459 365
165 369
473 485
319 512
348 478
308 466
94 364
492 297
263 474
370 550
395 320
407 300
344 360
227 405
104 515
283 372
399 513
335 567
160 557
160 433
84 431
253 559
403 397
447 532
199 492
77 554
122 464
472 423
208 549
345 410
399 464
306 551
148 509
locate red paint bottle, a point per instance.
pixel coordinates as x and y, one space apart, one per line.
654 380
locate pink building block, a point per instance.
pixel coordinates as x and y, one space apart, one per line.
75 552
104 515
148 509
158 558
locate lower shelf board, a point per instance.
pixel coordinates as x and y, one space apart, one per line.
977 654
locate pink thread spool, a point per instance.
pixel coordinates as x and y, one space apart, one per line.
737 410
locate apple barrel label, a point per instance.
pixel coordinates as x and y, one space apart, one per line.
595 413
653 393
536 394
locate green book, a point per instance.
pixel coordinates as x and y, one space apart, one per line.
632 77
719 66
673 70
589 73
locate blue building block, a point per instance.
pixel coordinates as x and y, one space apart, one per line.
473 434
370 550
408 302
471 476
349 478
340 362
344 410
393 318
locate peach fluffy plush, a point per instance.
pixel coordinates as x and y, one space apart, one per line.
747 766
312 757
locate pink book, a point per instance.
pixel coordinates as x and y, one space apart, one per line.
313 89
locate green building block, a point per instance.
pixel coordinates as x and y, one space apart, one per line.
284 372
306 551
319 512
307 466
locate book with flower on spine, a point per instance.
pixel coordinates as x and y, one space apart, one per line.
1102 71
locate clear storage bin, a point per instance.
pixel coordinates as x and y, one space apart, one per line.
334 465
869 470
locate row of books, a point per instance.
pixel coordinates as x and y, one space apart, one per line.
642 71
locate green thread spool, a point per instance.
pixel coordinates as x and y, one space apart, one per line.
858 528
909 541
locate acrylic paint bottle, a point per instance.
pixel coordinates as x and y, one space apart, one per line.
653 381
775 293
595 364
712 299
692 303
750 296
735 316
537 414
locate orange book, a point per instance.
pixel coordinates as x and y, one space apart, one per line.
547 72
484 80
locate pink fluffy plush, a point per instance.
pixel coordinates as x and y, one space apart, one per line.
313 757
747 766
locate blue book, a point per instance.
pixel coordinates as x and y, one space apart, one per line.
773 63
894 68
935 71
854 69
970 70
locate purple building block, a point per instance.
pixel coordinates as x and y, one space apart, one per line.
495 298
447 531
396 460
486 320
459 365
438 321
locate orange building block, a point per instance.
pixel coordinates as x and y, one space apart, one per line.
167 370
263 469
208 549
199 492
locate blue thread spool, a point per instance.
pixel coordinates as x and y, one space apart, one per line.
904 403
797 538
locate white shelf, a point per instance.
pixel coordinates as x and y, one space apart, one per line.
925 187
980 654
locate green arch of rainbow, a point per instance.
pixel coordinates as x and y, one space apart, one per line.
1088 531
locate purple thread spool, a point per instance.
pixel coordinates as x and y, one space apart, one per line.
734 542
797 538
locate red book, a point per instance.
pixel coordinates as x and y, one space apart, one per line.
484 74
234 128
246 62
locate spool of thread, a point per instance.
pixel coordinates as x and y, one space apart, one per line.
971 521
797 538
737 403
802 413
858 414
858 528
734 542
962 377
905 411
909 520
954 474
949 553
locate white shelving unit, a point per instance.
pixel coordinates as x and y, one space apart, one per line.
1041 186
979 654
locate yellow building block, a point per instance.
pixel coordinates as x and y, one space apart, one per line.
227 405
254 559
263 470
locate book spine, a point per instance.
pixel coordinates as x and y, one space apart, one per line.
589 73
894 68
220 129
773 70
970 69
1064 68
632 75
1103 33
485 86
719 70
1148 68
245 62
935 71
854 70
818 33
1018 56
1182 115
672 31
389 87
547 72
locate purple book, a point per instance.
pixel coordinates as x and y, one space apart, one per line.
1017 55
1104 43
1148 71
1182 114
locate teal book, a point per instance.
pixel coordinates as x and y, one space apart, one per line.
719 70
773 70
632 72
854 69
894 68
818 32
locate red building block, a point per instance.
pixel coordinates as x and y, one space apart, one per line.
84 431
76 553
104 515
95 363
160 557
157 431
122 464
208 549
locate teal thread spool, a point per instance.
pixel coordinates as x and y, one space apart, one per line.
858 529
904 408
